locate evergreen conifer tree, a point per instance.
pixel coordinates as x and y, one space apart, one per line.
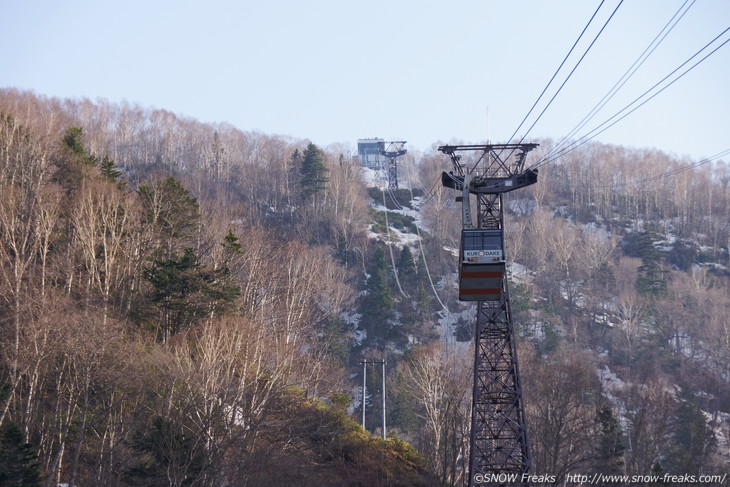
232 243
650 280
19 464
377 307
173 212
164 450
184 291
406 265
693 440
74 162
296 157
109 170
314 172
423 302
609 445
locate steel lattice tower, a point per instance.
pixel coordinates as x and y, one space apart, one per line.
498 443
393 152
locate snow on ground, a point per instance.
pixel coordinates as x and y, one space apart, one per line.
521 206
353 320
613 384
448 281
598 230
452 250
563 211
402 238
373 178
358 336
448 321
378 206
356 398
395 237
667 244
720 425
713 265
519 272
415 214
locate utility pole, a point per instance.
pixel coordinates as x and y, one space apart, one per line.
382 362
364 380
498 440
364 363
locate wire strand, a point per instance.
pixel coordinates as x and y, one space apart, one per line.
390 249
394 200
648 51
423 253
600 128
556 72
572 71
666 174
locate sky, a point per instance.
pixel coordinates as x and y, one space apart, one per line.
428 72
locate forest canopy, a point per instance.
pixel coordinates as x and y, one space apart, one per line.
188 304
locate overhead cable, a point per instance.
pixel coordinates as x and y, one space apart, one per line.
648 51
390 249
556 71
618 116
572 71
666 174
423 254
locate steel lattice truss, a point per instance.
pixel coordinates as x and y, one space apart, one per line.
393 152
498 430
392 173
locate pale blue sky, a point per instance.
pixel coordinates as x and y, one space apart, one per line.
335 70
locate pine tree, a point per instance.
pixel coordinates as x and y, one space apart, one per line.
232 243
610 444
650 281
184 291
74 144
423 302
173 213
165 450
19 464
73 163
693 440
109 170
314 172
406 265
378 306
296 158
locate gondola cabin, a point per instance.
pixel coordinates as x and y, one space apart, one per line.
482 265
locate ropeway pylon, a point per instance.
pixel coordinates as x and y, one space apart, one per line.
392 153
498 442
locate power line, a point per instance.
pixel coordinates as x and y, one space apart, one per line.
423 253
394 200
556 72
390 249
572 71
606 125
431 192
666 174
648 51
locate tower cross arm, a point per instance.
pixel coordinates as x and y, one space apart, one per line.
492 172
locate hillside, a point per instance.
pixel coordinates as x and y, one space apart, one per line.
194 299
